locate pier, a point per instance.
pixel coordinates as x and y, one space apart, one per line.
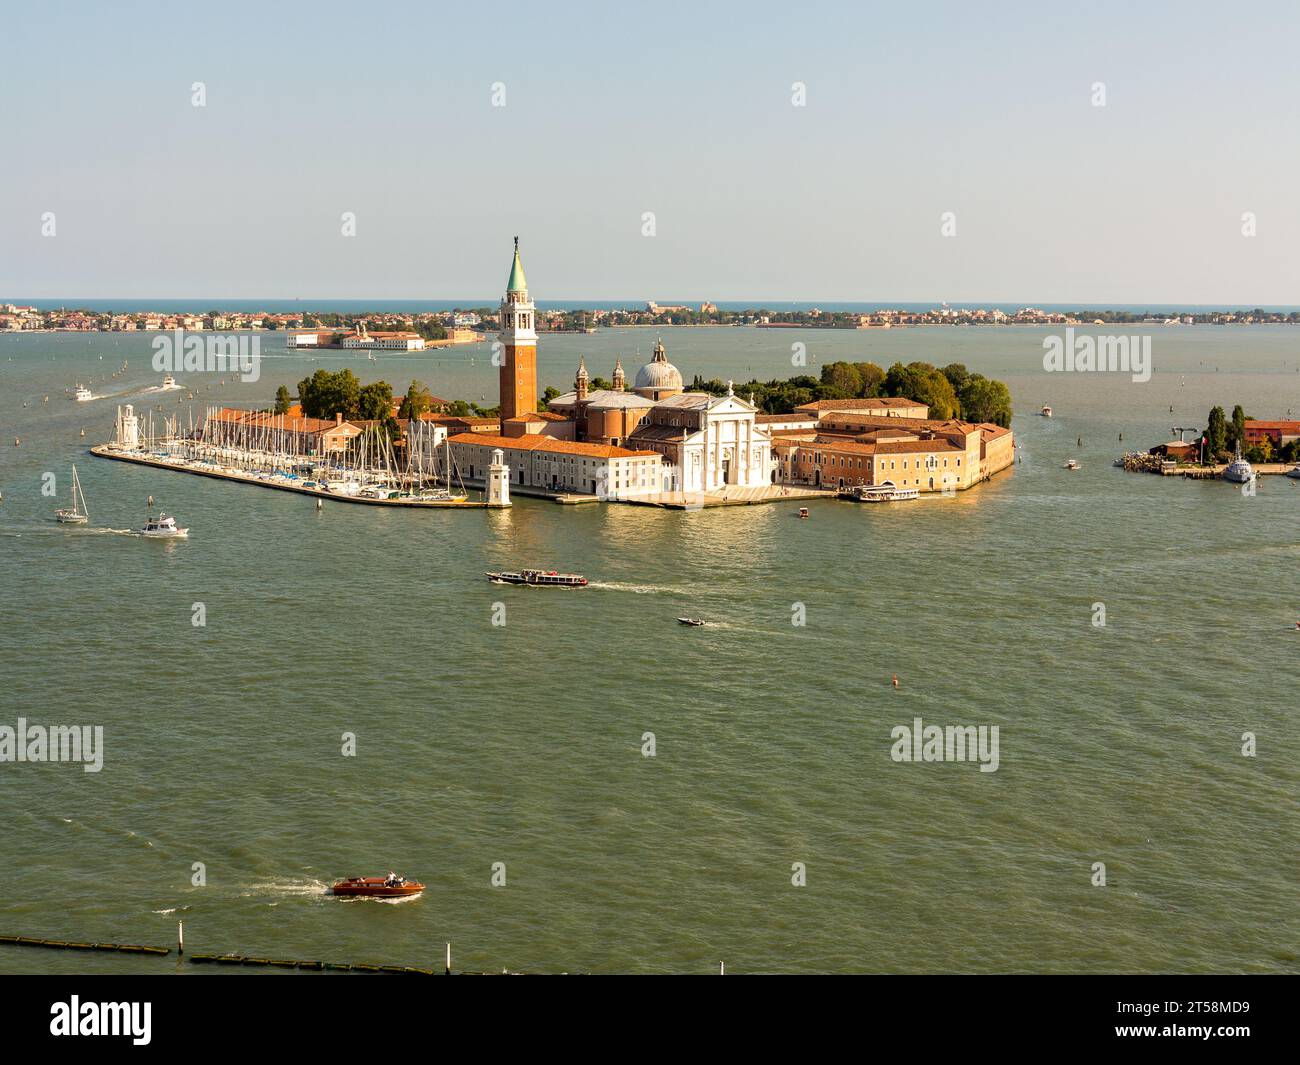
1144 462
143 458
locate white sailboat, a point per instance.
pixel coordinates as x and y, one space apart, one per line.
78 513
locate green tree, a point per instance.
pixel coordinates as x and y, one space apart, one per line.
922 382
984 400
843 378
325 394
1216 433
417 401
957 375
375 401
873 377
1237 427
283 401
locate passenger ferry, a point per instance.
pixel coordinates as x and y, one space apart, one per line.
83 394
886 492
539 578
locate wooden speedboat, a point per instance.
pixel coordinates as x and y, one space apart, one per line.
376 887
539 578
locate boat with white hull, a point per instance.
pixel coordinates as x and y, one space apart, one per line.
1239 471
163 527
78 513
536 578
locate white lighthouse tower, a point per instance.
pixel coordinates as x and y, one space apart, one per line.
127 435
498 481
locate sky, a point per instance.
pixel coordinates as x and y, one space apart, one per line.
980 116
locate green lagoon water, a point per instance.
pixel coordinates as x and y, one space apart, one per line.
522 744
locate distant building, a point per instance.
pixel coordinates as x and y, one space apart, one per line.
1279 433
359 339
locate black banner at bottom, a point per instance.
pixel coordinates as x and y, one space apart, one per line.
334 1013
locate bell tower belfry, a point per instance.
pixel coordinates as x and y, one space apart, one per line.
518 388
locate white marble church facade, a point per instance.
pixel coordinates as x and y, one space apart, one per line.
708 443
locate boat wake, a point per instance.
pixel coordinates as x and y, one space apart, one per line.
285 888
638 589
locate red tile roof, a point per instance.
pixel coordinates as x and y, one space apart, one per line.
536 442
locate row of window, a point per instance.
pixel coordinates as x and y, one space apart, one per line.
931 463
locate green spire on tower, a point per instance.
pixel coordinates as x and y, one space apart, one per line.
517 283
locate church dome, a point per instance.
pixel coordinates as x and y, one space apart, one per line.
659 374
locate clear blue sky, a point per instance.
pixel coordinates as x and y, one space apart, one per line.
384 109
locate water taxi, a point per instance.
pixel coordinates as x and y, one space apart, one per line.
391 886
1072 464
1046 412
539 578
803 512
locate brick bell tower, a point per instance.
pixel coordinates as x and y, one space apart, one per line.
519 338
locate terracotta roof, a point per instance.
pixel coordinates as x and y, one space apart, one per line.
536 442
282 422
768 419
882 402
1260 423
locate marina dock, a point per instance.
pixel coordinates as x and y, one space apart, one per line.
142 458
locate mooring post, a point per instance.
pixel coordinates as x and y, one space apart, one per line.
448 970
180 937
722 968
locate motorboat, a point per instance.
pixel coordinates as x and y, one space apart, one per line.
169 382
691 621
1294 471
803 512
537 578
162 527
1072 464
376 887
1239 471
82 394
1046 412
78 513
